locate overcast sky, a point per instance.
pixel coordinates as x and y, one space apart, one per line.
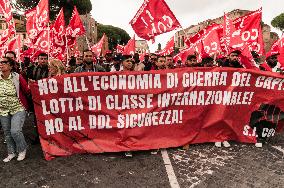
188 12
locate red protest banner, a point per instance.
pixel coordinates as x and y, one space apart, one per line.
112 112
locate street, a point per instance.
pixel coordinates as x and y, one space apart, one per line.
202 165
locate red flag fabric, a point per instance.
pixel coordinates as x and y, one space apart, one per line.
41 42
97 48
129 48
119 49
154 18
75 27
57 36
169 48
6 10
211 43
42 15
201 34
32 31
182 56
232 38
247 59
251 31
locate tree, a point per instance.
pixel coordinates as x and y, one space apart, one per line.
278 22
115 35
83 6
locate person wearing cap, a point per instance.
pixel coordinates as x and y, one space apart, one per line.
191 61
233 60
88 63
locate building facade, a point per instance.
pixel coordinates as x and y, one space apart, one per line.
91 37
141 46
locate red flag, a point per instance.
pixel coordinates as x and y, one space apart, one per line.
274 49
42 15
15 46
169 48
232 38
129 48
250 31
211 43
247 59
119 49
201 34
154 18
41 43
182 56
57 39
32 31
6 11
75 27
97 48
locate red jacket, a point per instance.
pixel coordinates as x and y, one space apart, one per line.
22 88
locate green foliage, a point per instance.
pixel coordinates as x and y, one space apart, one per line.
278 22
115 35
83 6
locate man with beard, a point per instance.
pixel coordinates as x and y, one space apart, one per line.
233 60
88 63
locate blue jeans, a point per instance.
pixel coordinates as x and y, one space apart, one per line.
12 126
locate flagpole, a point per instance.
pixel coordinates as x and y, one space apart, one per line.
88 21
67 51
48 40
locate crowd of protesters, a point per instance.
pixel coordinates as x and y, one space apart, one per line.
15 97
